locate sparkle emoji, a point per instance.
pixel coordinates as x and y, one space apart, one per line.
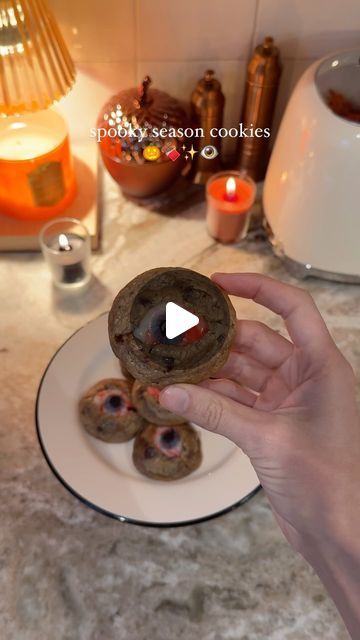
192 152
151 153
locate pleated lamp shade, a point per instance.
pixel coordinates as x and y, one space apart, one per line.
35 66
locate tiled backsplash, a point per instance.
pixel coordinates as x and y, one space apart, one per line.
174 41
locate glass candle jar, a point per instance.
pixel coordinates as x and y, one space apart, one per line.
230 196
65 243
36 167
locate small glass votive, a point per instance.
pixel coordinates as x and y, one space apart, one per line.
65 243
230 196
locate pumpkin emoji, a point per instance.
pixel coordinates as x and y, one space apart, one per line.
151 152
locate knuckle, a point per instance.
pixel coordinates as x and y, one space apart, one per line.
253 334
213 415
240 367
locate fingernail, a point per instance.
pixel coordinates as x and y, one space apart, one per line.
175 398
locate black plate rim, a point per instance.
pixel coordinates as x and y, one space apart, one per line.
95 507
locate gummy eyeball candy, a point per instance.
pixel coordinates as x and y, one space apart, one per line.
167 452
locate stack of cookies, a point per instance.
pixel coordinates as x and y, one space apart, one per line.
116 410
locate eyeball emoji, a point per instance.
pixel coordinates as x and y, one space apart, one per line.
209 152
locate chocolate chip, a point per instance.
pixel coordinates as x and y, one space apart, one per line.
169 363
149 452
118 338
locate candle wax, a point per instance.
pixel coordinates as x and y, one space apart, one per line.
227 213
24 144
238 202
69 266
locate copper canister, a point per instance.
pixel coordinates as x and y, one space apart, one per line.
263 75
143 165
207 109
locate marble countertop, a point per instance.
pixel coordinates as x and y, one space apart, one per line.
69 573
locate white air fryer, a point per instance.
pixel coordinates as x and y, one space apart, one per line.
312 186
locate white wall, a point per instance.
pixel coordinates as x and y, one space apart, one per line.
174 41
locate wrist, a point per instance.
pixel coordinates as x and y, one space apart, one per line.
330 523
334 543
336 560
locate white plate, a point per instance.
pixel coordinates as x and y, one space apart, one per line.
103 475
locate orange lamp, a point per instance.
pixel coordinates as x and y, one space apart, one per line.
37 178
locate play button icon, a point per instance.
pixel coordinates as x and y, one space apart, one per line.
178 320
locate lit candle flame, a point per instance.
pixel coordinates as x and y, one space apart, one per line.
64 242
230 187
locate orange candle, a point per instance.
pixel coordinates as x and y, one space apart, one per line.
37 179
230 196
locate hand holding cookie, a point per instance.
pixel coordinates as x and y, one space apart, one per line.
289 404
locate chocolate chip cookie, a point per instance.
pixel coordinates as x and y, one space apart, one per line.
146 401
107 412
137 327
167 452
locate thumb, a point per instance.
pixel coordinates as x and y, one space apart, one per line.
215 412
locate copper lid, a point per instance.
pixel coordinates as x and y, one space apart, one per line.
207 91
146 106
265 67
